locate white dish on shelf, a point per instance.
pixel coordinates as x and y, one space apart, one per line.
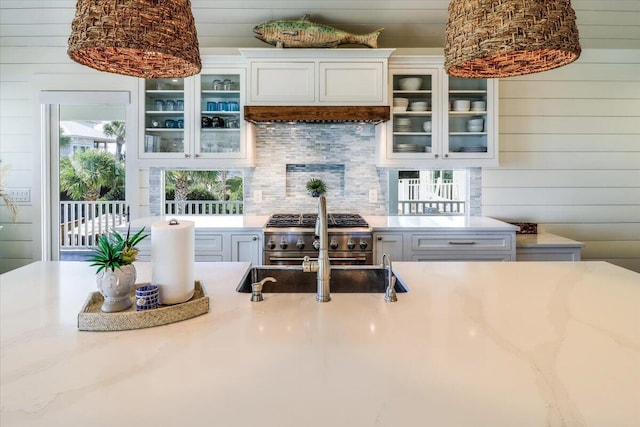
419 106
478 106
401 102
461 105
399 109
410 83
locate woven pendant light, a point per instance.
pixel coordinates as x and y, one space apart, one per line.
503 38
140 38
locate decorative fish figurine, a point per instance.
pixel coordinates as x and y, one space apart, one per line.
304 33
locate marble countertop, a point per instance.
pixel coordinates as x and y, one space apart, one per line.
437 222
377 222
471 344
545 240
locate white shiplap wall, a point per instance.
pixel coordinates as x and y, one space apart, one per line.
570 154
569 138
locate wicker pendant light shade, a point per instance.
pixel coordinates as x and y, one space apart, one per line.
140 38
503 38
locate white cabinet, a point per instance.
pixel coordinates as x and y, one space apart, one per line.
390 244
197 119
461 246
317 76
213 245
547 247
246 247
447 122
433 245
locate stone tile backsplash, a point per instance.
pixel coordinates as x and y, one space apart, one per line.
341 154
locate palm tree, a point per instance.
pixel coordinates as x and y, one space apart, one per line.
183 180
85 174
116 128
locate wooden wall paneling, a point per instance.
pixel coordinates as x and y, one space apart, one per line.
568 142
562 196
548 178
542 214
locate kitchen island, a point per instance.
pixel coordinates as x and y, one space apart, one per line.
471 344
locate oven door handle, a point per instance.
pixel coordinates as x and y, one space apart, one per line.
314 259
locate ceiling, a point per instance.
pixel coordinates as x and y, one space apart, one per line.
603 24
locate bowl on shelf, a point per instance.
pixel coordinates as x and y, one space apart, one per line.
427 126
401 102
461 105
410 83
478 106
419 106
399 109
474 128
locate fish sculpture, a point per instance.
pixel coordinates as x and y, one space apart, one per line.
304 33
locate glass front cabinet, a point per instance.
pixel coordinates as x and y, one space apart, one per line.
436 120
195 118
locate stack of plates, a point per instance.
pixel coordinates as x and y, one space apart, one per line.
403 124
407 148
474 149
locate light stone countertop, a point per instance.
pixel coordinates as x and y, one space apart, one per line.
377 222
437 222
471 344
545 240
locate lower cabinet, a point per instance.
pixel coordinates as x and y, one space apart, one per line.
215 246
445 246
390 244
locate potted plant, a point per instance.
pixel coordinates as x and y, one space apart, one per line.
316 187
116 275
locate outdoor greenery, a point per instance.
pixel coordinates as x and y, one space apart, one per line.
92 175
182 185
316 187
118 130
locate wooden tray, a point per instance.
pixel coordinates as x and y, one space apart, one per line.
92 318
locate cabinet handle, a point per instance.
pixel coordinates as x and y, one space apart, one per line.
379 237
471 242
187 156
254 238
446 155
435 155
197 155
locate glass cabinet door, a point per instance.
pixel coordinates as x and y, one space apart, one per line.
412 118
221 118
164 119
467 117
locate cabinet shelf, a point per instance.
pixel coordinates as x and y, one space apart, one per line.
409 92
221 92
467 133
412 133
220 129
165 92
467 113
221 113
414 113
165 130
470 92
164 113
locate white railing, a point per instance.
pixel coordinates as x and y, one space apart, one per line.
82 222
418 189
204 207
431 207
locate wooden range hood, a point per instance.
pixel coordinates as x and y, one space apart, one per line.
313 113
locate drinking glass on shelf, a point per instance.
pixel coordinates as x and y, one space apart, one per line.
159 105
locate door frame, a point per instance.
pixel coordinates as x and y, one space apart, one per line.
78 89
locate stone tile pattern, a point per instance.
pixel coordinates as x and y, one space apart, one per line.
341 154
287 156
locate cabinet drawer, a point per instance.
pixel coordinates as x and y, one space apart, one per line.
464 256
211 242
461 242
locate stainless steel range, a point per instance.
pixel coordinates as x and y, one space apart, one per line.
290 237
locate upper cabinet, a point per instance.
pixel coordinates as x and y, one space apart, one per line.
197 119
317 76
437 121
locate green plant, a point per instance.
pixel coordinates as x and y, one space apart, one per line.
316 187
114 251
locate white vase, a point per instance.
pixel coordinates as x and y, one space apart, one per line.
116 286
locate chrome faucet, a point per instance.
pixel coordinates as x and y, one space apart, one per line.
322 267
390 293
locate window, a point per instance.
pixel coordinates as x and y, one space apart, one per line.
203 192
429 192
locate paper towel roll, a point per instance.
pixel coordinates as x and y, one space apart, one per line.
172 258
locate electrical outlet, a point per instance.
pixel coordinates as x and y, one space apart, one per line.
257 196
20 195
373 196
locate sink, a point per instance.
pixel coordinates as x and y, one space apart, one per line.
344 279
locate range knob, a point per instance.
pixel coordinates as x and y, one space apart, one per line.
283 244
271 244
300 244
316 244
363 245
351 244
333 244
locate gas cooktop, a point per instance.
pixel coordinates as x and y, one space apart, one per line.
308 220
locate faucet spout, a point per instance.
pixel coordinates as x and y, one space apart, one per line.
324 266
390 293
